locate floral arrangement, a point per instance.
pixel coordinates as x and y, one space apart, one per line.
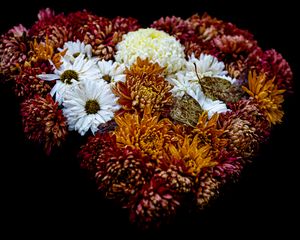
168 113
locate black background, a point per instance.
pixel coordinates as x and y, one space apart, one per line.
42 196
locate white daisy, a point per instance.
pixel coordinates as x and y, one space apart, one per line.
74 49
111 72
206 66
88 105
69 73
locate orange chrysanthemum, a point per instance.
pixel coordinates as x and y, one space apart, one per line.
267 95
210 133
44 51
194 157
147 133
145 86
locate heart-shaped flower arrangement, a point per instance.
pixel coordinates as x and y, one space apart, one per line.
173 111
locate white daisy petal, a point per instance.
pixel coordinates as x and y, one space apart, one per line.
79 62
88 50
48 77
206 65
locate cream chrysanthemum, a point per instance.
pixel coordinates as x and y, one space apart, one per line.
156 45
111 72
74 49
69 74
88 105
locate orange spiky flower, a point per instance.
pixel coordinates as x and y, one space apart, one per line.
44 51
147 133
267 95
145 86
210 133
194 157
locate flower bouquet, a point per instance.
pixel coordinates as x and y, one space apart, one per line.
168 113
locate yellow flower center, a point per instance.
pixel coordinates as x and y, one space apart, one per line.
107 78
92 107
75 55
68 75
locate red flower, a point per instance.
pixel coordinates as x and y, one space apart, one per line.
94 147
121 173
28 84
125 25
274 65
43 122
75 20
177 27
50 25
153 205
13 51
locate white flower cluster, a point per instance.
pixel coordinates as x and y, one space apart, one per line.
187 81
84 83
83 87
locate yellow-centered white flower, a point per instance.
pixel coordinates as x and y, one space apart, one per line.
111 72
88 105
74 49
70 74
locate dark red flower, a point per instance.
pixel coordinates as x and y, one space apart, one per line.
248 109
207 189
229 166
13 51
50 25
27 84
94 147
238 53
121 173
125 25
197 47
76 20
154 205
274 65
177 27
207 27
100 32
101 35
43 122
